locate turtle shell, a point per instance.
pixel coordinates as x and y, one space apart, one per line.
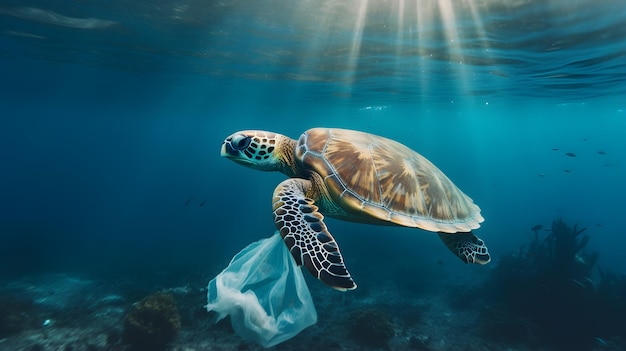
374 178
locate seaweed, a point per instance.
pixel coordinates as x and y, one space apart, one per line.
545 293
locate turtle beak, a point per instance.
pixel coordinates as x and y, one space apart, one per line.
228 150
233 154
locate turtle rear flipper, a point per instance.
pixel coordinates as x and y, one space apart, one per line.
306 236
467 246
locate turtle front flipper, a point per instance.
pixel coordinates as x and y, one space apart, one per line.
467 246
306 236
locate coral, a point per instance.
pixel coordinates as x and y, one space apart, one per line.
546 291
558 259
152 323
565 246
371 326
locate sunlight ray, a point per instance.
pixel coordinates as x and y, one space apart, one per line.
356 41
399 49
425 13
477 21
400 28
455 52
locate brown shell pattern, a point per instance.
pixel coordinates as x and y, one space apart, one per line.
371 176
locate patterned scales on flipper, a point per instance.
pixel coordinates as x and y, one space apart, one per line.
306 236
467 246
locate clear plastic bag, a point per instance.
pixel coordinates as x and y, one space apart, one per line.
264 292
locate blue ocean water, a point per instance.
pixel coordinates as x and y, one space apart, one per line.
112 114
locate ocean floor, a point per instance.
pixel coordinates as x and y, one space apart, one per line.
74 313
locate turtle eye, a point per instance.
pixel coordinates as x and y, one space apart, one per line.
240 142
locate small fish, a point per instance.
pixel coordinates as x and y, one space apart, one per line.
189 200
536 227
202 203
601 152
567 171
570 154
599 225
541 175
555 149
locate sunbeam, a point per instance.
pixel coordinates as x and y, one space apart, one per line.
455 51
358 41
357 38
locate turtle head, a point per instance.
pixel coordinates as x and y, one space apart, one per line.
258 149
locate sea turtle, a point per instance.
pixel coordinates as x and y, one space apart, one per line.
359 177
